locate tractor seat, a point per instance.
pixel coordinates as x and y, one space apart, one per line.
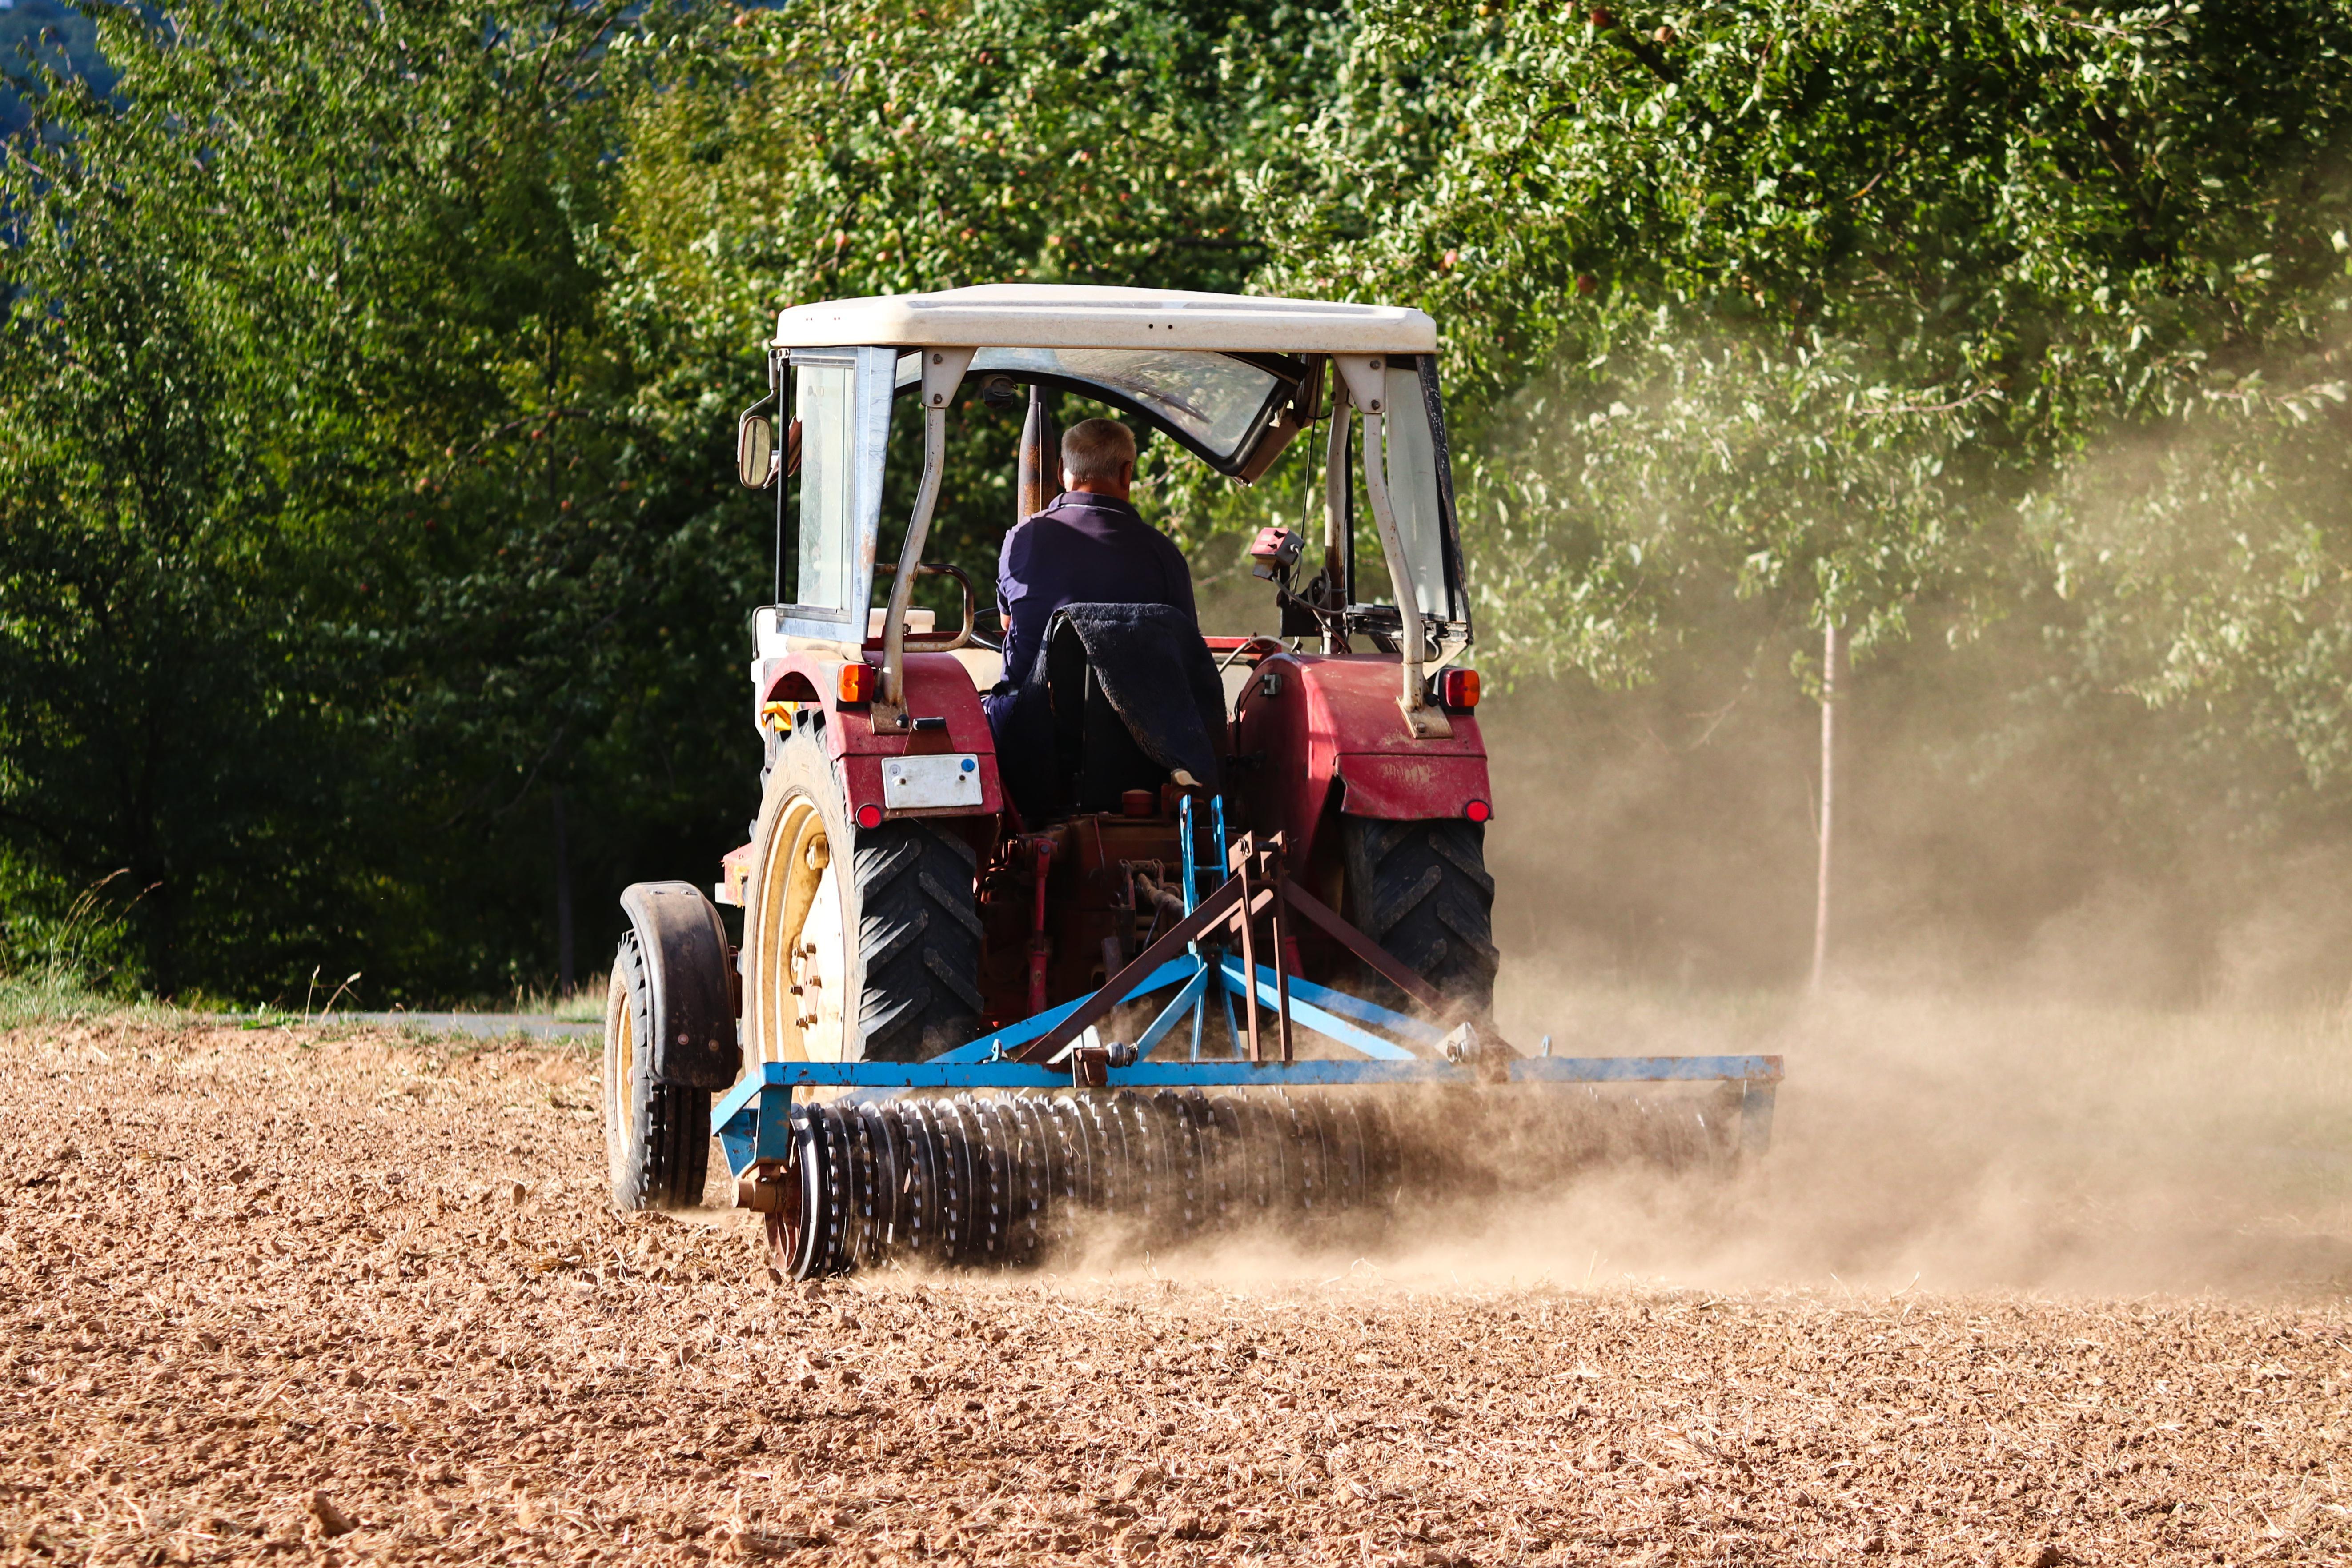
1121 697
1096 755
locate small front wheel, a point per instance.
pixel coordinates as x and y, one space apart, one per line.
657 1135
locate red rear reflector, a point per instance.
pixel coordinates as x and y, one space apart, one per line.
869 815
856 683
1478 811
1458 689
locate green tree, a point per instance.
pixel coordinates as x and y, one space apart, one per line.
1818 303
336 532
827 148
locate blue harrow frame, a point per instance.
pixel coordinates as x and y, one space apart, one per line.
1060 1049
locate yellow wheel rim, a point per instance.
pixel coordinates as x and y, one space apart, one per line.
796 988
620 1064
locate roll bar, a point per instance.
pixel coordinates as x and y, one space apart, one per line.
1362 376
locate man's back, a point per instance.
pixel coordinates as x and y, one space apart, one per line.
1086 547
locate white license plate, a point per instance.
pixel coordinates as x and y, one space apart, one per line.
911 782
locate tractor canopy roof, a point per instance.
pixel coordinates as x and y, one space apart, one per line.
1078 316
1211 370
1232 378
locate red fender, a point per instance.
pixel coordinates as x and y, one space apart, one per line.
1308 727
937 686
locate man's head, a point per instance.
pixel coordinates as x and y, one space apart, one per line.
1099 455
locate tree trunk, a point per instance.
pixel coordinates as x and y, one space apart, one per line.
563 972
1829 790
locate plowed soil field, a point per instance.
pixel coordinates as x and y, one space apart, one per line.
273 1296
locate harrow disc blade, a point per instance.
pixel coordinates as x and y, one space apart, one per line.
997 1181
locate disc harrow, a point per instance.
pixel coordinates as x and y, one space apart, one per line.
1043 1135
1008 1180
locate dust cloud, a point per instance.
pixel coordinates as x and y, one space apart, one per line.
2052 1054
1918 1144
2083 1035
1963 1147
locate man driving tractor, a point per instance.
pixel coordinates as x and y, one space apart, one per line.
1090 546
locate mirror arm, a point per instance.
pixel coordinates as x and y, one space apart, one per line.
942 371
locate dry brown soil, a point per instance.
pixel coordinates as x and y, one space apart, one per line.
274 1296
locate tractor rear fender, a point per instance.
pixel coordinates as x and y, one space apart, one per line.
1317 730
691 970
938 687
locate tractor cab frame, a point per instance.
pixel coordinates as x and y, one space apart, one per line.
1232 380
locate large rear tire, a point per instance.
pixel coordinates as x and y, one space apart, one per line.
872 953
1421 892
657 1135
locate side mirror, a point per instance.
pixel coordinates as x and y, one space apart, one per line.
755 451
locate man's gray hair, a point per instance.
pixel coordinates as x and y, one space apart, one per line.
1095 449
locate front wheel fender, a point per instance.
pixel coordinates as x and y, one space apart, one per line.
691 968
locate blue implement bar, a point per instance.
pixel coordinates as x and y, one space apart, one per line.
939 1074
753 1120
1187 1001
1307 1014
1356 1008
1645 1069
1029 1028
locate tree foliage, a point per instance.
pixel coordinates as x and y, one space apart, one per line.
830 149
368 371
334 532
1812 300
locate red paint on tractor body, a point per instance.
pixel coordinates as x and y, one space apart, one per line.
1313 737
1317 735
938 687
1409 789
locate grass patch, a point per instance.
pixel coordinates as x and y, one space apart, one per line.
48 995
59 993
583 1004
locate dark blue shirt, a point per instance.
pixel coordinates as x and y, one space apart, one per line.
1084 549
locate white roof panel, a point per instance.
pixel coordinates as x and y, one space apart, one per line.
1073 316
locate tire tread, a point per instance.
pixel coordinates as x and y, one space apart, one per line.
1423 891
921 936
666 1159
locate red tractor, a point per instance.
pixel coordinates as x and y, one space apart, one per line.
896 906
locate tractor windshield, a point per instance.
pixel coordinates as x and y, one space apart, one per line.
1236 411
1213 403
